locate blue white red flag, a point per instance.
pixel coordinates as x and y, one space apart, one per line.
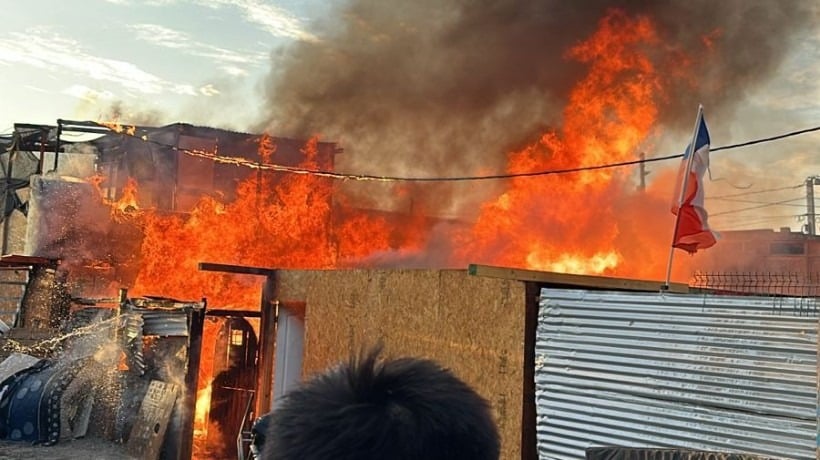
693 232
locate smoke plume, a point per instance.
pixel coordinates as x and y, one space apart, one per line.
433 88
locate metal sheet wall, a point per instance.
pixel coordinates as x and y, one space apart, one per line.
732 374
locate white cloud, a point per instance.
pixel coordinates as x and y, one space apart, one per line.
185 89
161 35
88 94
270 18
208 90
273 19
234 71
59 55
169 38
35 89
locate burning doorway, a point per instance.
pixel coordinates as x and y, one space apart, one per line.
228 386
237 376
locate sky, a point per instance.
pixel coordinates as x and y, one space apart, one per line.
199 61
214 62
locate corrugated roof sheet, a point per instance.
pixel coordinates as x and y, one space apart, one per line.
160 316
732 374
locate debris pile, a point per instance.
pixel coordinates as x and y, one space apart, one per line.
119 374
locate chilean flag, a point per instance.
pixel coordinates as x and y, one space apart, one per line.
692 232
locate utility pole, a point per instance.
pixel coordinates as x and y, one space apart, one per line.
643 173
810 214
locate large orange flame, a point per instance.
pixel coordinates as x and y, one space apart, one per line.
582 222
570 222
126 206
277 221
118 128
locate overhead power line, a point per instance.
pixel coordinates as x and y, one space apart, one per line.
778 189
753 217
370 177
782 203
766 139
750 208
747 226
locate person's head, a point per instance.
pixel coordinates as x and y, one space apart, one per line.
371 408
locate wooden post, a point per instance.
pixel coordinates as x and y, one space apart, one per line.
267 339
529 413
123 298
196 322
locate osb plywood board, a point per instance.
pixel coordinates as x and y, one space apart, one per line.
472 325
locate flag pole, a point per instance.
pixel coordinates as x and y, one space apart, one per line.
684 183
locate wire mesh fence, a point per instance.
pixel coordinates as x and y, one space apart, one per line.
793 291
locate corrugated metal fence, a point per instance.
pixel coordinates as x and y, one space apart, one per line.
732 374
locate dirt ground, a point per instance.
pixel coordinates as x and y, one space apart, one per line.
83 449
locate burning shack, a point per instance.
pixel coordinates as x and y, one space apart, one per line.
75 208
76 198
121 370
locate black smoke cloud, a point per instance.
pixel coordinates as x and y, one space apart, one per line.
436 87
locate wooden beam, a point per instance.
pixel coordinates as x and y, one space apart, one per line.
16 260
235 313
267 351
237 269
581 281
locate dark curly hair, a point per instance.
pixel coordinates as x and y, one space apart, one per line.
374 409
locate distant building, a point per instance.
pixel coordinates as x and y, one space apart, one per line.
760 262
762 251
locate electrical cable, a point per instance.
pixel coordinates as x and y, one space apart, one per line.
766 139
758 191
782 203
370 177
750 208
753 218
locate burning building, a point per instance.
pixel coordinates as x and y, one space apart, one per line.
516 145
463 171
80 185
